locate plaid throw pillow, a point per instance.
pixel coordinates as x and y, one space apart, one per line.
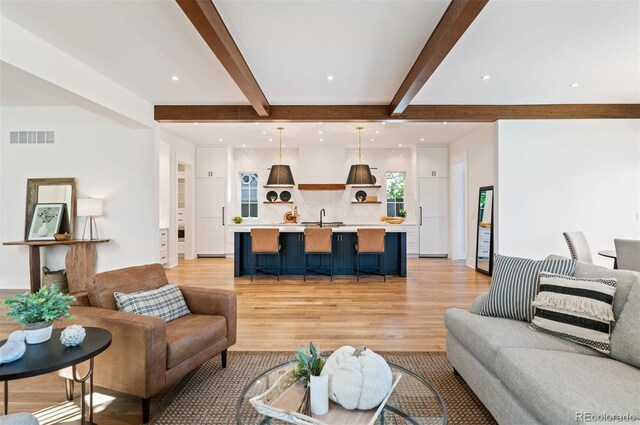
166 302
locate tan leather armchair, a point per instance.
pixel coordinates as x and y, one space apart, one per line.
148 355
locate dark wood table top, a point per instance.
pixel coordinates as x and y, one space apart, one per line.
609 253
52 355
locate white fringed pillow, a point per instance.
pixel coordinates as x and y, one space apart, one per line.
577 309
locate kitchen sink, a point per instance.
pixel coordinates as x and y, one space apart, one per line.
324 224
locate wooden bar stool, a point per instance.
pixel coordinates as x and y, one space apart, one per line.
265 242
318 242
371 242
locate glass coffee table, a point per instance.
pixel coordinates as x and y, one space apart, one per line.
414 401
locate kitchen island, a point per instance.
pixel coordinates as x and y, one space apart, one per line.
343 247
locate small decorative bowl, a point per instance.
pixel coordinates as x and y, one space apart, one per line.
60 236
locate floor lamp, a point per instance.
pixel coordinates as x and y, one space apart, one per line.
90 208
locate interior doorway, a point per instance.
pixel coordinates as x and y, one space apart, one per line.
184 211
459 210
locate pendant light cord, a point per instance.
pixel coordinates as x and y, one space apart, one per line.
359 144
280 158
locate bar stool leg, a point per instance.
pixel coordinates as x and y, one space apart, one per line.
306 260
253 269
278 266
331 265
384 260
358 267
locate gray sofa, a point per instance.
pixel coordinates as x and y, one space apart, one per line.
527 377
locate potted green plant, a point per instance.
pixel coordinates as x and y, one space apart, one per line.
36 312
237 219
310 364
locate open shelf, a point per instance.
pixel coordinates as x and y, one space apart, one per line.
278 202
365 202
304 186
373 186
266 186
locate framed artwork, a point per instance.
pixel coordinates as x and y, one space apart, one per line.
46 221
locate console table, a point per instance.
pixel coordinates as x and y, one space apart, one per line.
80 262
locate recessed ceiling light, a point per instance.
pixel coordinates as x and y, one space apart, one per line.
320 123
175 78
384 123
284 146
320 132
264 132
255 123
322 140
371 139
422 139
219 140
486 77
377 131
574 85
330 77
445 123
399 145
244 146
195 123
271 140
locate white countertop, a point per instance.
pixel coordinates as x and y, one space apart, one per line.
347 228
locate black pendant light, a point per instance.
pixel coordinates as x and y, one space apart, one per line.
360 174
280 174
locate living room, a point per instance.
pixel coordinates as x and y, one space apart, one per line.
305 175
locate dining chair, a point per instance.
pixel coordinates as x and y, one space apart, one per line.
628 254
578 246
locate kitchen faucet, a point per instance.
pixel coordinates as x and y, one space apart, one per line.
322 213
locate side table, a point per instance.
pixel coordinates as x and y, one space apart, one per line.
51 356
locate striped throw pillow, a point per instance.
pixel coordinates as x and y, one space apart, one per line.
514 285
166 302
580 310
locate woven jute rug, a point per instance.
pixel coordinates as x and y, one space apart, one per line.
209 396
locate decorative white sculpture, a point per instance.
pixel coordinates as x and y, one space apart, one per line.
14 348
358 378
72 335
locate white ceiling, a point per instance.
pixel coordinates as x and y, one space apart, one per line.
295 134
368 46
138 44
18 88
533 50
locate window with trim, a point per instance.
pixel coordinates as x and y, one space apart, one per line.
395 194
249 195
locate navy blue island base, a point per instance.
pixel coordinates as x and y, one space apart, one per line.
344 255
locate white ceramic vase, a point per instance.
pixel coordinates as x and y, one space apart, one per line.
38 334
320 395
43 230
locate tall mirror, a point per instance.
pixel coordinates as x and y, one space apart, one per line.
55 191
484 241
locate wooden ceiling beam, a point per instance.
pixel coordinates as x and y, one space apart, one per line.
205 18
455 21
418 113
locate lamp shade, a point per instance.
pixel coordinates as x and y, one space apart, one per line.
360 174
280 175
89 207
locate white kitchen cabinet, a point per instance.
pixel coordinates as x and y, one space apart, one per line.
210 217
211 163
433 161
434 217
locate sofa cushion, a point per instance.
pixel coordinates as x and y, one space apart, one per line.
166 302
191 334
514 285
625 338
558 386
485 336
578 309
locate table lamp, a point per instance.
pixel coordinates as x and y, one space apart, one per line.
89 208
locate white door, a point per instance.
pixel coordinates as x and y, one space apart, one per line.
203 163
210 204
441 162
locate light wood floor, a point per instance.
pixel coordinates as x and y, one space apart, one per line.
399 315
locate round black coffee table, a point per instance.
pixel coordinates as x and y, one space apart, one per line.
414 401
52 355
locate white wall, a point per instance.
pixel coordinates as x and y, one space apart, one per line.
337 203
174 149
479 150
109 161
563 175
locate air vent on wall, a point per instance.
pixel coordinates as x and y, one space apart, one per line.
32 137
